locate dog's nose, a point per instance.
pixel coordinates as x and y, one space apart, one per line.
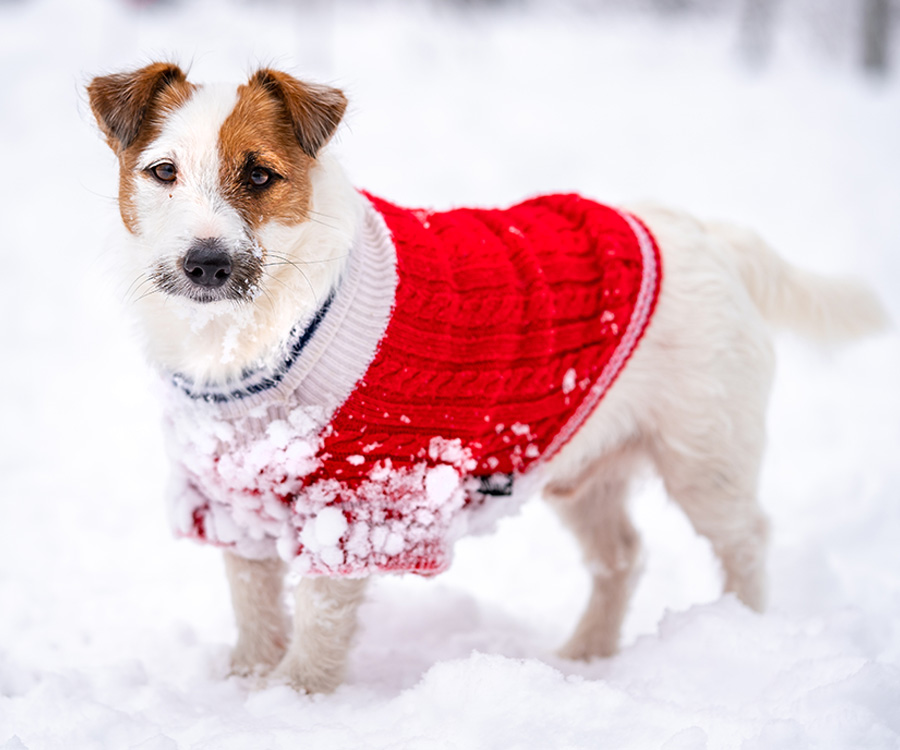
207 264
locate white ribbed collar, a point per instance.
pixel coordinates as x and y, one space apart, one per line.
323 357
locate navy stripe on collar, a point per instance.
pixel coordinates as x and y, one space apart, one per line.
262 380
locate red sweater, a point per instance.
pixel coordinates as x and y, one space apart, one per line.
507 328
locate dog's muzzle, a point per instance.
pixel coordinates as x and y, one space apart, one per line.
211 272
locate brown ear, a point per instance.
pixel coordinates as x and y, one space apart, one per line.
315 111
120 102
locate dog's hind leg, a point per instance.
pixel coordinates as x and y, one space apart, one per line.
324 624
256 595
594 508
717 490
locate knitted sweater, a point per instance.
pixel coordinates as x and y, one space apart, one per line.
458 353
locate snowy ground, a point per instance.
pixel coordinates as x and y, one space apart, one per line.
112 635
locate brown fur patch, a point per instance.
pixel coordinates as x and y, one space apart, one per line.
256 134
131 109
278 124
314 110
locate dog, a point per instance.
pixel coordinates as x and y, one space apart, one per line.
349 385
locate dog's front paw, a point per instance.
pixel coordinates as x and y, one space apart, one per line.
256 657
304 676
581 648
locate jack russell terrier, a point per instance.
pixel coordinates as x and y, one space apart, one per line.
350 386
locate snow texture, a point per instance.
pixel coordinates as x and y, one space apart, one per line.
113 635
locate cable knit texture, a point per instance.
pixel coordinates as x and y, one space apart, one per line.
500 333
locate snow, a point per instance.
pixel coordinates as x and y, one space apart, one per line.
440 484
114 635
330 526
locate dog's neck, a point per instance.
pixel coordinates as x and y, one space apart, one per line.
217 342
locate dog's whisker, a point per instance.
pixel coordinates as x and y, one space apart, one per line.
319 213
286 262
135 284
136 288
149 293
300 271
288 286
316 218
268 298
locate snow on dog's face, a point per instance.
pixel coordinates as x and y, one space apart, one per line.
207 171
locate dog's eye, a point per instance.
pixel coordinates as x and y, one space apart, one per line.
164 172
260 176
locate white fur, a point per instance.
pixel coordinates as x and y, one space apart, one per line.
690 403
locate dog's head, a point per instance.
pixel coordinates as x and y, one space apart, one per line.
209 174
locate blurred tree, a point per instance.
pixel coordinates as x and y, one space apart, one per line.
672 6
488 3
757 24
876 34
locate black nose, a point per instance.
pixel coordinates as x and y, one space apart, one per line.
207 264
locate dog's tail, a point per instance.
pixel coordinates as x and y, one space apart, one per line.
824 308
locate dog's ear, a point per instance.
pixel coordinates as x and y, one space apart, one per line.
315 111
121 101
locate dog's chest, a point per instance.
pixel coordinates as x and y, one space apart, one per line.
506 329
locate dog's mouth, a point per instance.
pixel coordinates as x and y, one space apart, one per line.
208 272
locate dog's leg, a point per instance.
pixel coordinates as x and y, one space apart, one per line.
593 507
717 491
324 624
256 589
